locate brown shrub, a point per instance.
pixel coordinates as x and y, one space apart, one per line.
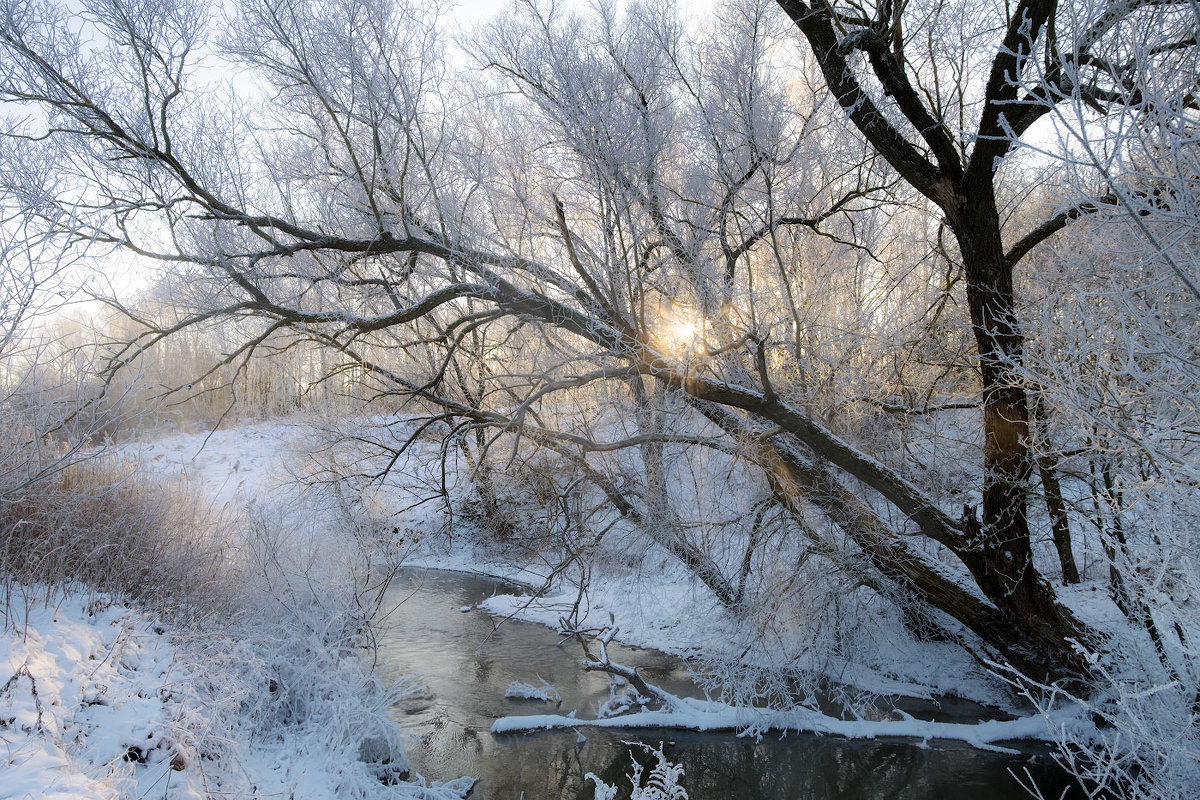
100 523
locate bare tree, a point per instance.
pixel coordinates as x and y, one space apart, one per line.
42 405
612 213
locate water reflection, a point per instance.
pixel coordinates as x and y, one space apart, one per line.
721 766
467 665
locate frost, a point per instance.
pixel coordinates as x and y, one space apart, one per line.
662 782
622 698
93 703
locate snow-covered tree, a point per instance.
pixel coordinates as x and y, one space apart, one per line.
629 252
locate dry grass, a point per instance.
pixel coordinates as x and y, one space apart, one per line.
100 523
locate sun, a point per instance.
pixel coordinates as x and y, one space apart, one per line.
684 330
680 333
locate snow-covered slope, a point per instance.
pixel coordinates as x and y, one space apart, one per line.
271 698
103 701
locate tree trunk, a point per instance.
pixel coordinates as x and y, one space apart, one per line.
796 479
1060 523
999 552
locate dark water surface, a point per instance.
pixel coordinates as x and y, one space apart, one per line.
467 663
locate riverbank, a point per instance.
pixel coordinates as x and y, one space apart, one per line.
102 700
290 706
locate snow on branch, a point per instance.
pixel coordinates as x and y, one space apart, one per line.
600 662
684 713
706 716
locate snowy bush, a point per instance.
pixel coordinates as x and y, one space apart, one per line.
292 707
1144 741
661 783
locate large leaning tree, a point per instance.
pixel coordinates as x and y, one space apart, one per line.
612 210
949 139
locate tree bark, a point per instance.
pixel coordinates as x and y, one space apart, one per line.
999 552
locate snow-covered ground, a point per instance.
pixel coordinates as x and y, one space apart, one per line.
87 707
108 702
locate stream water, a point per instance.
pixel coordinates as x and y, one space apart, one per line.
467 663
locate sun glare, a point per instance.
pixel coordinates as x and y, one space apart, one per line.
680 333
684 330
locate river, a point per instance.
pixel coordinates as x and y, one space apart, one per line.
467 663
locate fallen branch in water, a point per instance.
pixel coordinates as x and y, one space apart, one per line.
600 662
704 716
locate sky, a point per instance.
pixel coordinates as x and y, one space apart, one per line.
469 11
473 11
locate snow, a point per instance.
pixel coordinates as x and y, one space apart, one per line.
527 691
249 461
105 701
274 699
88 709
654 604
661 784
672 613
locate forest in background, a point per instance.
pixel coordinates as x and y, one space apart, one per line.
879 319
